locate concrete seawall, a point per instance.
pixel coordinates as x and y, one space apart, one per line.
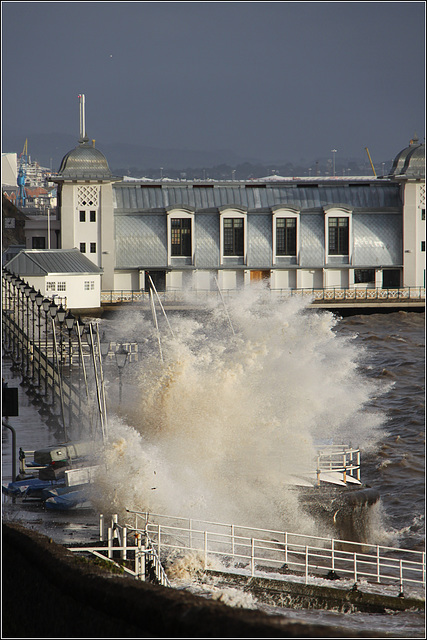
290 594
49 592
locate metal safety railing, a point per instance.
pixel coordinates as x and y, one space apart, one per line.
327 294
256 551
145 557
339 459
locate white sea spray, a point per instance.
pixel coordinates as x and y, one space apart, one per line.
237 406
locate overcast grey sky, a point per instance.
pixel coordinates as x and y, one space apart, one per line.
269 80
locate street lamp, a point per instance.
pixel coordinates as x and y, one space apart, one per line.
121 357
21 287
39 302
9 277
105 348
27 290
60 315
69 323
333 160
16 320
32 294
46 305
53 310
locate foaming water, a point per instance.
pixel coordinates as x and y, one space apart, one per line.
236 407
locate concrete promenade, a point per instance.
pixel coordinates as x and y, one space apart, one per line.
50 593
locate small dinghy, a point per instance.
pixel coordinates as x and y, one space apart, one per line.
65 501
32 487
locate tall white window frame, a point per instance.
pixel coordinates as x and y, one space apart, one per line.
286 213
238 214
339 212
179 214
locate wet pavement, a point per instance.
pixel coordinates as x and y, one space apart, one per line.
32 432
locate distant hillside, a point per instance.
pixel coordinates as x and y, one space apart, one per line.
48 150
137 160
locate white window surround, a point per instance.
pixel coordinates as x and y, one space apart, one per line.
178 214
286 213
339 212
233 213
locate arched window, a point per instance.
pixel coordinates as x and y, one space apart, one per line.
233 236
338 233
286 233
180 233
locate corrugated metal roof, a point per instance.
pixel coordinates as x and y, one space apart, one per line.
142 197
44 261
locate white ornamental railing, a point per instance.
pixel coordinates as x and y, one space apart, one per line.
329 294
253 551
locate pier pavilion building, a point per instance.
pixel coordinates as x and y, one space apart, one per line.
294 233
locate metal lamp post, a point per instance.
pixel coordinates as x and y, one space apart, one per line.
105 348
69 323
17 282
39 302
15 306
333 151
4 273
18 320
27 290
46 304
9 277
60 315
21 288
33 294
53 310
121 358
80 326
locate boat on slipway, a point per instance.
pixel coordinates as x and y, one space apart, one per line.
61 477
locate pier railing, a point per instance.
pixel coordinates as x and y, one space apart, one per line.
254 552
60 365
326 295
124 542
339 459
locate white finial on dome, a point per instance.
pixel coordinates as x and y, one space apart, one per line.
82 117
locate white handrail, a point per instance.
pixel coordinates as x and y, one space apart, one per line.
374 563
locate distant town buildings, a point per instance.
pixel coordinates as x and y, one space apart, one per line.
40 194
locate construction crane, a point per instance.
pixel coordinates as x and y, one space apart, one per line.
372 164
22 175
